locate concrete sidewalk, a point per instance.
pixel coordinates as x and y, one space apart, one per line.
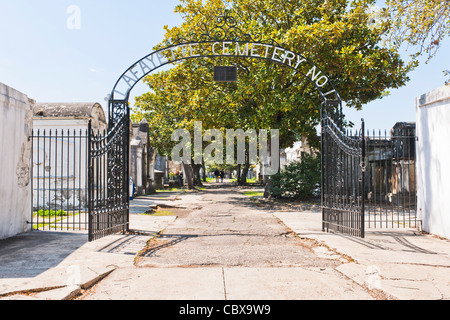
60 264
401 263
404 263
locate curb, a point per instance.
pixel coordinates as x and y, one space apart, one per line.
69 292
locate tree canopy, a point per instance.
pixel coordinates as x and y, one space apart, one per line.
336 35
422 24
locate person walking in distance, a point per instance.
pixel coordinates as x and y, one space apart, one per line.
217 175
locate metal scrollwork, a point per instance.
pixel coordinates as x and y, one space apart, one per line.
343 169
108 171
226 28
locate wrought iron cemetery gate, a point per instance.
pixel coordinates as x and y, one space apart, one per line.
343 154
368 179
108 174
108 154
343 170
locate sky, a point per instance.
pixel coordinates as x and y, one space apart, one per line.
74 51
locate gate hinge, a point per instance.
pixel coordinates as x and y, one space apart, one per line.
363 166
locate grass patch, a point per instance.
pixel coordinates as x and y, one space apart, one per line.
161 213
164 213
254 193
249 181
52 213
54 220
171 190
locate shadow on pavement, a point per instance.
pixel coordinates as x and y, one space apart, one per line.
30 254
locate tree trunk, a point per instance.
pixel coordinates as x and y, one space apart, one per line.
269 151
196 174
204 170
189 178
243 178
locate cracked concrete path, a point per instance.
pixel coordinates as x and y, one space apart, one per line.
228 249
227 231
221 245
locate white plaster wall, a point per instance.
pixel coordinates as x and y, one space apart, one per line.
433 160
16 122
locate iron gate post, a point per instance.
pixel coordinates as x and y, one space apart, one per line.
363 174
127 169
322 157
89 182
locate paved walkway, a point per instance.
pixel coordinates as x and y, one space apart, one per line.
221 246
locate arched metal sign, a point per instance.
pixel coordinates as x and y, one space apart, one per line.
224 48
109 154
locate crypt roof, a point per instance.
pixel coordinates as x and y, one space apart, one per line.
69 110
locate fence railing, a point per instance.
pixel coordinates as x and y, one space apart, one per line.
390 178
59 179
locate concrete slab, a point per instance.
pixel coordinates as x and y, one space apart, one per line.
411 289
65 293
30 254
47 260
290 284
404 263
251 256
150 224
19 297
161 284
403 281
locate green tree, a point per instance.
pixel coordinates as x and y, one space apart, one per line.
336 35
298 180
422 24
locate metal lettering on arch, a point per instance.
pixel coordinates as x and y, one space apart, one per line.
109 152
224 48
